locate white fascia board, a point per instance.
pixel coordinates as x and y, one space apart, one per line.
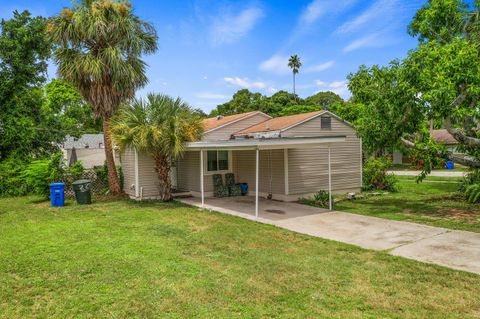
264 144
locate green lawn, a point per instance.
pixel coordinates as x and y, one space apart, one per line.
124 259
434 202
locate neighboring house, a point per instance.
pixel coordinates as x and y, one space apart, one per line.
89 149
440 136
287 157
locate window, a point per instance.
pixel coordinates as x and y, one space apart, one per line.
326 123
218 161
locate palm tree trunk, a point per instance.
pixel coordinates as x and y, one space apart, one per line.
293 83
113 181
162 167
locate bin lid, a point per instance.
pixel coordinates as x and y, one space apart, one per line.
81 181
57 184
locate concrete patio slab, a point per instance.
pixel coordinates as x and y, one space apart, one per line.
454 249
364 231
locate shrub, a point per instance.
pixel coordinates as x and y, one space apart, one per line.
472 193
375 176
76 170
11 181
472 177
40 173
320 199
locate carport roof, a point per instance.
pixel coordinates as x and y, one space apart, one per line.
264 143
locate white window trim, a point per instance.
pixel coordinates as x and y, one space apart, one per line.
205 164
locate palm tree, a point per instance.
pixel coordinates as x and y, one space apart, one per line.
158 125
294 64
98 49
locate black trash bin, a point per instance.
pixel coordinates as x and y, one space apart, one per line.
82 191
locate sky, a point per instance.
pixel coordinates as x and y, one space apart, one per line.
209 49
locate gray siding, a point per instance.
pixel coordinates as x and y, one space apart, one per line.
308 168
128 169
225 132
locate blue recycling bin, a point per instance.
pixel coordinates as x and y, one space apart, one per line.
244 189
57 194
450 165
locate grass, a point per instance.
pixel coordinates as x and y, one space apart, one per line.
434 201
410 167
126 259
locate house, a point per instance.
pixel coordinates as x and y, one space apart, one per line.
440 136
283 158
88 148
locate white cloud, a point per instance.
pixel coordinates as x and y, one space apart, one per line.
245 83
368 41
228 28
318 8
320 67
211 96
276 64
380 12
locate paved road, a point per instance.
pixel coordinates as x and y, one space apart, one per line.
450 248
434 173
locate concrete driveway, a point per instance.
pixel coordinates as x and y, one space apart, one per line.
450 248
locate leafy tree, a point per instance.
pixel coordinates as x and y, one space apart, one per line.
24 51
159 126
324 99
242 101
294 64
99 45
68 110
299 109
439 81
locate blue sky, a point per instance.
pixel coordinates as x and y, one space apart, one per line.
209 49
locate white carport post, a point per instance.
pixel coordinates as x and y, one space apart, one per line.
257 161
201 178
329 180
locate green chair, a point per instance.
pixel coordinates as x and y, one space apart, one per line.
233 189
219 190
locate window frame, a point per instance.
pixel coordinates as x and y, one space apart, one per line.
205 163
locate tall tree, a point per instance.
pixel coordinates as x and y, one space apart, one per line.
159 126
294 64
439 80
99 48
24 51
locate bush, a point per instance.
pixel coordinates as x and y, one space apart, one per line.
472 177
320 199
375 176
11 181
40 173
472 193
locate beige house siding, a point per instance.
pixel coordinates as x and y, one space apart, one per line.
225 132
243 166
128 169
308 168
148 182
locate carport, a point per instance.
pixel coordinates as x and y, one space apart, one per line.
249 144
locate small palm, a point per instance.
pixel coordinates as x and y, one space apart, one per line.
159 126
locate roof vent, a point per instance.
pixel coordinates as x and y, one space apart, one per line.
219 117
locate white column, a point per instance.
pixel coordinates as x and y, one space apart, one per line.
201 178
256 182
329 180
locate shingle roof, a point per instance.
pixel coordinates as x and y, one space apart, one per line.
214 122
442 136
278 123
84 141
